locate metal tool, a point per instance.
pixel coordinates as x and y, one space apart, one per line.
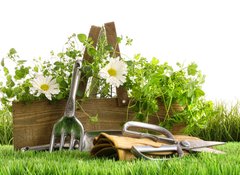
69 125
172 145
43 147
88 142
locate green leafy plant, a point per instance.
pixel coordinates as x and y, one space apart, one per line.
17 85
147 82
150 82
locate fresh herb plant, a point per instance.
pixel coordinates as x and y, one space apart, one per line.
150 83
147 82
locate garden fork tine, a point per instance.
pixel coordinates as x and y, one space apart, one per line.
62 141
72 141
69 125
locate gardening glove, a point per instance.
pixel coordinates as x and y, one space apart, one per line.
118 147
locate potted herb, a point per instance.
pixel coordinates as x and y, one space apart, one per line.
150 84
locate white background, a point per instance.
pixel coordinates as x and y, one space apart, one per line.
204 31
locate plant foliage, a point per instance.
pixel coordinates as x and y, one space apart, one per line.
147 82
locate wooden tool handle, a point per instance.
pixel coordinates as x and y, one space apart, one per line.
94 34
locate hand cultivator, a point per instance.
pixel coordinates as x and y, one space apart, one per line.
69 125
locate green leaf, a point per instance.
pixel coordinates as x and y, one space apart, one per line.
137 57
199 92
10 82
4 101
6 71
16 90
2 62
119 39
140 116
21 73
9 93
94 118
12 51
35 69
59 64
154 61
91 51
59 96
108 47
179 65
87 70
192 69
45 72
71 54
60 55
63 84
129 41
82 37
21 61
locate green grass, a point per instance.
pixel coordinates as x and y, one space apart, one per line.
75 162
6 123
223 125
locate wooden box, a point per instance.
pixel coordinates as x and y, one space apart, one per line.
33 122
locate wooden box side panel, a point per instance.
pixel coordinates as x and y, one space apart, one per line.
33 122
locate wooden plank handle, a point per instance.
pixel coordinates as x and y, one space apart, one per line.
94 34
111 34
112 40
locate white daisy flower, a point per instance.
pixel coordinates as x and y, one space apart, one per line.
44 85
114 72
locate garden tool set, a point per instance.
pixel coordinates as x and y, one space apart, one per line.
136 140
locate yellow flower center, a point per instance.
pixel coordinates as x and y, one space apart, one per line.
44 87
112 72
